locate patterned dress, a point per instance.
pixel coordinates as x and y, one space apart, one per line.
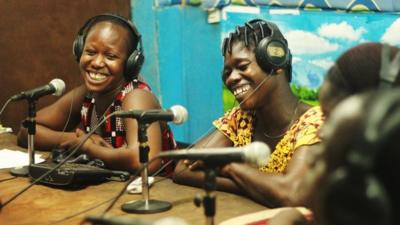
113 130
238 126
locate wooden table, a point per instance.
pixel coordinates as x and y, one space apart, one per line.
46 205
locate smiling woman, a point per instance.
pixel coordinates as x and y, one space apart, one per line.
109 52
103 57
257 70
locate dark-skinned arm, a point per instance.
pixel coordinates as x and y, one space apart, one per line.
186 173
273 190
56 123
127 156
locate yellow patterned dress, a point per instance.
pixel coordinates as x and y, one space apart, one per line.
237 125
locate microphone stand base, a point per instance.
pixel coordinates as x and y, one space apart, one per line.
22 171
143 207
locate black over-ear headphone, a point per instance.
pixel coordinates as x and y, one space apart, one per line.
134 61
272 51
353 195
389 69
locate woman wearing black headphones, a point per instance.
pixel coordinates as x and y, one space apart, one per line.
109 52
257 70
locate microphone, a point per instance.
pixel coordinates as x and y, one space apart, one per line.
55 87
177 114
256 153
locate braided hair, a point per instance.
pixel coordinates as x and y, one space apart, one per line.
251 33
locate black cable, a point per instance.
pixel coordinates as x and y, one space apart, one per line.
79 213
6 179
73 151
113 199
126 185
131 180
123 190
4 106
170 176
135 175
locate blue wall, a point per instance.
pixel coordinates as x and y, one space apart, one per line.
183 63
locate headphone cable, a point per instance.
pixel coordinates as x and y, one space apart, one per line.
213 128
3 108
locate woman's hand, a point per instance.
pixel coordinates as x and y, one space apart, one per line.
93 140
226 169
96 139
193 165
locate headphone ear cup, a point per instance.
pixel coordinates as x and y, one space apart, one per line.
271 54
354 199
77 47
133 64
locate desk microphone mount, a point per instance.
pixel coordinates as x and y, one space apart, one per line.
208 200
145 206
30 124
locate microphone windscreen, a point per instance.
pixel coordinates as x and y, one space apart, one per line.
180 114
59 86
257 153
